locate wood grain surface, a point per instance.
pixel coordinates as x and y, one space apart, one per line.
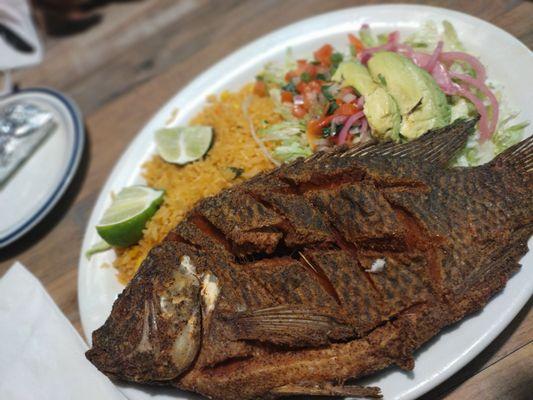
121 71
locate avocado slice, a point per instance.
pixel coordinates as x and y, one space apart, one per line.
381 110
423 105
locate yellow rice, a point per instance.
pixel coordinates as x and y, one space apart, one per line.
233 147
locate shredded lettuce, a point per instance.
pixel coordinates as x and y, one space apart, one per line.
425 38
291 150
461 108
366 37
290 139
382 38
507 135
272 74
283 110
290 62
282 130
450 38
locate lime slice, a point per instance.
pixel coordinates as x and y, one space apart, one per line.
183 144
123 222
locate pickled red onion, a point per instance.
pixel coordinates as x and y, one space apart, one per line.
343 134
434 57
339 119
480 85
484 130
364 129
452 56
405 49
442 77
438 65
391 45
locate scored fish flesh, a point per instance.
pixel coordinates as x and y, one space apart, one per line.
322 270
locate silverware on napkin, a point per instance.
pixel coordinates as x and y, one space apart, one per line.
23 126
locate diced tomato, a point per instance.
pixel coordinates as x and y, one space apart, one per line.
346 109
289 75
260 88
313 128
300 65
286 97
356 43
314 86
324 54
298 111
309 87
304 66
325 121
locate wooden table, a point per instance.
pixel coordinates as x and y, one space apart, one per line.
123 70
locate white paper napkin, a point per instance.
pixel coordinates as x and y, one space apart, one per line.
16 15
41 354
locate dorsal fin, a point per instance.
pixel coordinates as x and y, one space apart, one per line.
519 157
437 146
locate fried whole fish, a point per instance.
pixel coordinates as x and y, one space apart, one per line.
323 270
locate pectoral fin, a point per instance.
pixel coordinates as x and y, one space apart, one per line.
290 325
327 389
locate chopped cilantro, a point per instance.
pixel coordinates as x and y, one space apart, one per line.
332 107
289 87
305 77
325 91
336 58
236 171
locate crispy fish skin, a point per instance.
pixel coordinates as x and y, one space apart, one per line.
282 281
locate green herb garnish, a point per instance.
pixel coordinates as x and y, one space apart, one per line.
305 77
336 58
289 87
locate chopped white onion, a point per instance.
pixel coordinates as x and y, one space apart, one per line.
348 98
298 99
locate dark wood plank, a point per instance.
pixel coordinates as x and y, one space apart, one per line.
139 41
518 334
509 379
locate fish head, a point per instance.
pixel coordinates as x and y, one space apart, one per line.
154 331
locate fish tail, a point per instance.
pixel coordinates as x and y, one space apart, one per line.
514 170
518 158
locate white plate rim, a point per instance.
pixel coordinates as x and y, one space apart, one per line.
75 152
195 86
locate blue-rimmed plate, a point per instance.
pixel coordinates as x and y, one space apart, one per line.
37 185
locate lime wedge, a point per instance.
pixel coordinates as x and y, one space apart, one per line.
123 222
183 144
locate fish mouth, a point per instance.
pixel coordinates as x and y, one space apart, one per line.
155 328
